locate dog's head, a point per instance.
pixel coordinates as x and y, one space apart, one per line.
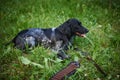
73 27
77 28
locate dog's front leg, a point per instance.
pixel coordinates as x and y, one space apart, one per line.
62 55
64 47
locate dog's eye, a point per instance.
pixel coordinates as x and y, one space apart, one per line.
79 23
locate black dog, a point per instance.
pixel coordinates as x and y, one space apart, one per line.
56 39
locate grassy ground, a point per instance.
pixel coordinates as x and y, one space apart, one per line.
102 18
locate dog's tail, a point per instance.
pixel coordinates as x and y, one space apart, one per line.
8 43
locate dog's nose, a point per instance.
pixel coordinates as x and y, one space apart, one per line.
87 30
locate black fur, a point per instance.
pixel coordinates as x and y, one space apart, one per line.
57 39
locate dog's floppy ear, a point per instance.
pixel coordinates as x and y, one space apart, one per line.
65 27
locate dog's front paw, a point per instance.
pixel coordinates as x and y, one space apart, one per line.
63 57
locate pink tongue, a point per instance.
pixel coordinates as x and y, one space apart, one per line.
82 35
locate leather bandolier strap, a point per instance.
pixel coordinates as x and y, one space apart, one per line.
66 72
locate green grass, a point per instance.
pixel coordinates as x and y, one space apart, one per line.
102 18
